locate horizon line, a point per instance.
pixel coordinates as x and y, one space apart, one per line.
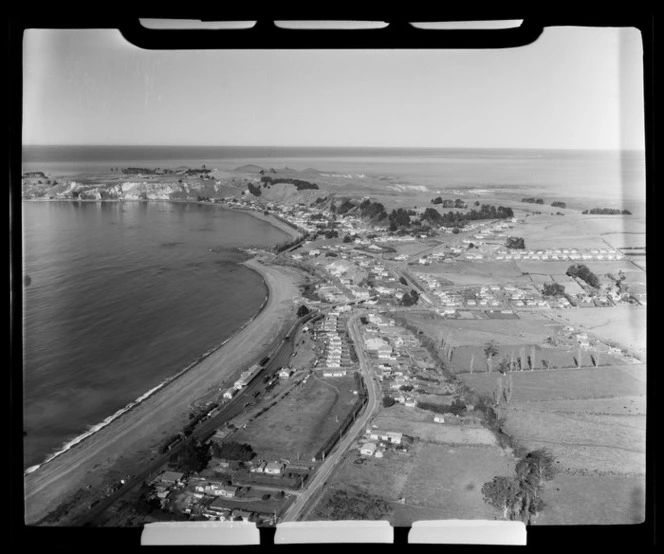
334 147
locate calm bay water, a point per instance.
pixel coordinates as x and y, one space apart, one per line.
122 296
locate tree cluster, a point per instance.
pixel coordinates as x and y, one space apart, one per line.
373 210
193 457
234 451
582 272
553 289
399 218
299 183
532 200
410 299
302 311
558 204
520 497
388 401
515 242
253 189
457 408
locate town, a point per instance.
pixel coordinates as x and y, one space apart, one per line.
394 333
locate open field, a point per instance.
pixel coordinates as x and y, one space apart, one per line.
623 325
302 421
419 424
435 481
593 500
582 442
576 230
563 384
531 328
551 357
618 405
476 273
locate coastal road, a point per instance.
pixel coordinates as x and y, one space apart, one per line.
280 354
301 505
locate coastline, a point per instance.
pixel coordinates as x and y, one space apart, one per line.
272 220
137 433
134 403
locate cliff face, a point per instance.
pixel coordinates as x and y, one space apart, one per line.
129 190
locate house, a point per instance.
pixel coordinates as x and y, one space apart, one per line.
227 491
285 373
274 468
258 468
229 393
171 477
438 418
369 449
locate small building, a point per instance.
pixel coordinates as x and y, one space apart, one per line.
439 418
171 477
285 373
227 491
229 393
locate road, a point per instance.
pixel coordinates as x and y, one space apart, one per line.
301 504
280 353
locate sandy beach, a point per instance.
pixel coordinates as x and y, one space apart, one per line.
135 436
275 222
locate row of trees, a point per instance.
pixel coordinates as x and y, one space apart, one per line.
458 219
606 211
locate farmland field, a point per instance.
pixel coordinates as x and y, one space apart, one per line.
600 382
582 442
302 421
530 329
473 273
593 500
436 481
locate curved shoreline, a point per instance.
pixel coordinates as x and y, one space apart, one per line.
134 403
136 436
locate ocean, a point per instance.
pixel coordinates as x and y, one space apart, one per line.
124 295
613 176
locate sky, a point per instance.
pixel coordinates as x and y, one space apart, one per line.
576 88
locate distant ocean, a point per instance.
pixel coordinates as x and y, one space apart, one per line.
597 174
124 295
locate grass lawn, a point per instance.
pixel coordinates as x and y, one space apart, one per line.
302 421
